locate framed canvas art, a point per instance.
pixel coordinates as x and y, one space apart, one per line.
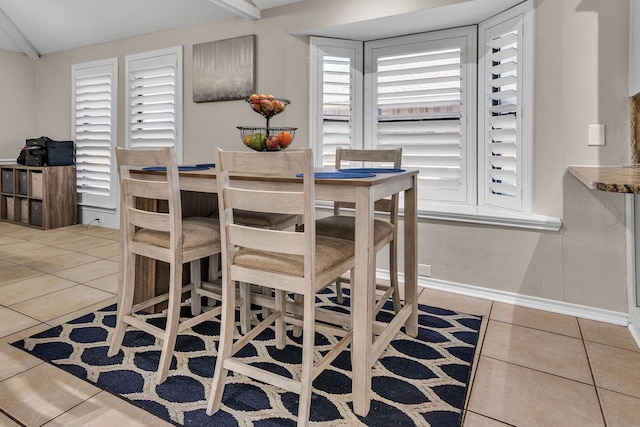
224 70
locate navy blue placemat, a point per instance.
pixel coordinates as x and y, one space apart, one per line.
207 165
180 168
340 175
371 170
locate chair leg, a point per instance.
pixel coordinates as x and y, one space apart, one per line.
227 329
281 334
196 280
306 378
339 296
173 318
125 303
393 272
245 307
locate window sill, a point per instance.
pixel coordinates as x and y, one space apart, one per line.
478 215
489 216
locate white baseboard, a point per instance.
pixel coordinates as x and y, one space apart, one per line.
560 307
99 216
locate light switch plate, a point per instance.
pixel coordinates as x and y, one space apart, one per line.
596 135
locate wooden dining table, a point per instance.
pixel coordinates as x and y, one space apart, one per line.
369 338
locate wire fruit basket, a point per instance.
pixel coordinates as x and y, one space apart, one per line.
262 138
267 138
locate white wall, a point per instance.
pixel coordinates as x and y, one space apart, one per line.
17 102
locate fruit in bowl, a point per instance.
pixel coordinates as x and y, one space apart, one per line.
267 139
267 105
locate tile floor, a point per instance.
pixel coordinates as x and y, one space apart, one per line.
533 368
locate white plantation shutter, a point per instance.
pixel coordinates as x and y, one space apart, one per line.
94 130
337 107
154 99
422 92
504 145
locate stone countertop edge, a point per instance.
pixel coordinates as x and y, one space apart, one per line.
615 179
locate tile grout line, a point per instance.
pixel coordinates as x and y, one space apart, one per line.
593 377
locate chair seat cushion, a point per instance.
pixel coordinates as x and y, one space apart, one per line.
344 227
330 252
196 231
264 219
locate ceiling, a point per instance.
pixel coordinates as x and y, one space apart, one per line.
38 27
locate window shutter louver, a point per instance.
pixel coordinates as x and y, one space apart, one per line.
154 100
420 99
501 127
94 127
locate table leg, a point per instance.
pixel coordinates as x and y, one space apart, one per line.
410 256
362 290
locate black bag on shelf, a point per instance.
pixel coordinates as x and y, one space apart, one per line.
45 151
60 153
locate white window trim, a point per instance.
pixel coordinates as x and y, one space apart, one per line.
177 50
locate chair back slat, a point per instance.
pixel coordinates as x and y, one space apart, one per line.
268 201
288 242
151 220
372 158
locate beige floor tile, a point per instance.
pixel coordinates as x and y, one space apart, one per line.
59 303
82 243
13 273
471 419
455 302
605 333
35 255
105 409
537 319
108 283
7 422
525 397
11 321
559 355
43 393
8 240
61 262
87 272
13 361
109 250
104 232
58 236
22 246
614 368
34 287
619 410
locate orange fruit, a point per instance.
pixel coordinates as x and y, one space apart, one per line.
285 138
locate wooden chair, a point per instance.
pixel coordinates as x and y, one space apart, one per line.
284 260
385 231
164 237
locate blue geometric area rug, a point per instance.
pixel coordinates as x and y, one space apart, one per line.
417 381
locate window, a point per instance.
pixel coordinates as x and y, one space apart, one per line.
421 97
94 102
458 102
154 100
